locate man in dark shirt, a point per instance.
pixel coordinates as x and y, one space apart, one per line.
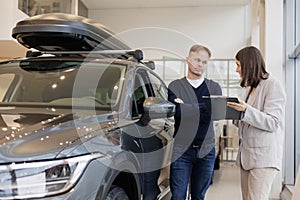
194 150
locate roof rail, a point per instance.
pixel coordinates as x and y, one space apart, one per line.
136 54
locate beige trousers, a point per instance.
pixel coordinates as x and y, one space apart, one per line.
256 183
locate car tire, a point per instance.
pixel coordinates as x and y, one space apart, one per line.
116 193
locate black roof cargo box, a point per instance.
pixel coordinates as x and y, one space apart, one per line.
65 32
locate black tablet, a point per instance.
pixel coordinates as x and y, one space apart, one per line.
217 106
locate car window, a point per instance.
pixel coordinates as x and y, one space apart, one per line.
146 85
67 83
154 85
159 88
139 96
5 81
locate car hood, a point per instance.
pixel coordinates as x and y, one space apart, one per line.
28 134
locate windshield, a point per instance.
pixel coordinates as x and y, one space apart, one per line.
61 83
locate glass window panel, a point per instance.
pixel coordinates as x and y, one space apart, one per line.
5 82
222 71
174 69
217 71
159 68
36 7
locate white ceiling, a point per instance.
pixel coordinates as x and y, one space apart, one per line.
113 4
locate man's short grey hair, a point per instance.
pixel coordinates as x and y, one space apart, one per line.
198 47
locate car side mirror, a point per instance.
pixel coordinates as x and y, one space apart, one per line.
158 108
155 108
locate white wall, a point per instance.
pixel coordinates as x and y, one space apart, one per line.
224 29
274 37
9 15
4 14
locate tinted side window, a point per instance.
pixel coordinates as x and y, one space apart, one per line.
158 87
139 97
146 85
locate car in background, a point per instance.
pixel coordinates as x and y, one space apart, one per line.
81 116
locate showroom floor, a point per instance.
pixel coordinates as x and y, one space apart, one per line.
226 183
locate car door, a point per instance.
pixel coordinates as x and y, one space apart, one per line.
147 84
155 134
158 89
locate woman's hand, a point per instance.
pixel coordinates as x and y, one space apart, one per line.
241 106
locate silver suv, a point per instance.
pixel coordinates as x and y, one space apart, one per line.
82 116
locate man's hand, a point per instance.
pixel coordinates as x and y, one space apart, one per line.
178 100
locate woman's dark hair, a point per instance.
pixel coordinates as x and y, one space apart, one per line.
252 66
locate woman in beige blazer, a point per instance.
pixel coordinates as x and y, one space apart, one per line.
261 127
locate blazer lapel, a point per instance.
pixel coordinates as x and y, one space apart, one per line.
254 98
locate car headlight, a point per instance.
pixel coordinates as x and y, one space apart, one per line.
39 179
